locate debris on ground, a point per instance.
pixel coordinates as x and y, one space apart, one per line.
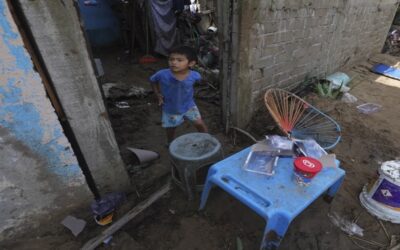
118 91
104 207
346 226
99 67
339 81
144 156
368 108
386 70
392 43
349 98
122 105
106 88
94 242
74 224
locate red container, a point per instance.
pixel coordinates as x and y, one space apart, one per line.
305 168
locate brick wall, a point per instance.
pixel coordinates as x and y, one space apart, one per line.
282 41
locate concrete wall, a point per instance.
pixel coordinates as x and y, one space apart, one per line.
40 178
282 41
58 35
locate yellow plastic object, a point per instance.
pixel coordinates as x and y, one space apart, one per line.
105 220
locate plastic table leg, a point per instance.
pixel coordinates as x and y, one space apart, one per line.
206 191
330 194
277 225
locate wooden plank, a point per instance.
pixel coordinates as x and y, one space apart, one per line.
93 243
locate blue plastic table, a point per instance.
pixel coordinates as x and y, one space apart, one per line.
278 199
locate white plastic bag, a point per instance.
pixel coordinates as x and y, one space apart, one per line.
348 227
349 98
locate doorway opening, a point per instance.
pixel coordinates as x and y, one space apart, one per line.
129 41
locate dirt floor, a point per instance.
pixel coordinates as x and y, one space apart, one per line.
173 222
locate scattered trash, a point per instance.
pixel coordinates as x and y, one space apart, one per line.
103 208
368 108
108 240
280 142
382 199
122 105
386 70
392 169
94 242
104 220
339 80
144 156
90 2
392 42
349 98
117 91
309 147
212 29
99 67
172 211
108 203
137 92
74 224
346 226
328 160
106 88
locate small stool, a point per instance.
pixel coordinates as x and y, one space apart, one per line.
277 199
188 154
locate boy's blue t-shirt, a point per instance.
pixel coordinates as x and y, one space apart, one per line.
178 95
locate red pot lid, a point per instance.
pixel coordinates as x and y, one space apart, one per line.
308 165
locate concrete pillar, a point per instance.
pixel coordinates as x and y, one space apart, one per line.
40 179
58 34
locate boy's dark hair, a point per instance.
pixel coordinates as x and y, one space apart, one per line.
187 51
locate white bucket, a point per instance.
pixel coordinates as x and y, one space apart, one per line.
382 197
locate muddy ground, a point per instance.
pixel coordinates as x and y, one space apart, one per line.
368 140
173 222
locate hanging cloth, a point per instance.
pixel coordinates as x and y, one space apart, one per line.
164 22
179 5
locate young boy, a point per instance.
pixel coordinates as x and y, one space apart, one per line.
174 90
